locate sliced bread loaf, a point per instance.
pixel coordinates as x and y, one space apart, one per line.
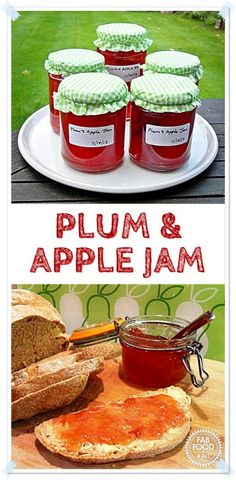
37 377
120 430
37 329
54 396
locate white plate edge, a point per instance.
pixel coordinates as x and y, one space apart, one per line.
95 188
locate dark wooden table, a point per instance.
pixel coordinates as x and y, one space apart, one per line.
29 186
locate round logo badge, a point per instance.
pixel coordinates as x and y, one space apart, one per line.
203 448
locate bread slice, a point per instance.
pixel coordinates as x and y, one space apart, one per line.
47 365
107 350
53 434
54 396
37 329
36 377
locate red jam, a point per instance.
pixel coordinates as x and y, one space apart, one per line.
150 357
54 82
143 133
145 418
154 369
107 130
132 60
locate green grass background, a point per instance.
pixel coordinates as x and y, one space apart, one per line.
35 34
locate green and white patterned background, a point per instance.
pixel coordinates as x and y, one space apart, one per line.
87 304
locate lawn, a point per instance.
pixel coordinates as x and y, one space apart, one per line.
35 34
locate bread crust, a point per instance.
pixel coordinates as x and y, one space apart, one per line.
90 453
47 365
24 312
28 298
54 396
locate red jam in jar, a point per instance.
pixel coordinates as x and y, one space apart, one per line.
162 120
96 158
144 152
150 358
92 114
63 63
174 62
125 65
54 82
124 46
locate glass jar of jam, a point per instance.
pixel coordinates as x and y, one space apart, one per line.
176 63
62 63
92 114
151 359
124 46
163 110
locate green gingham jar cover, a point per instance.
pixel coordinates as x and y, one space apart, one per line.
91 94
177 63
162 92
74 60
122 37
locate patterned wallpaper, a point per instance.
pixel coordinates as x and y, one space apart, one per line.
87 304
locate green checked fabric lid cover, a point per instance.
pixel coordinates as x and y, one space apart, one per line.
177 63
91 94
162 92
74 60
122 37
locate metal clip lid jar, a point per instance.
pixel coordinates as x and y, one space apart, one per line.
152 359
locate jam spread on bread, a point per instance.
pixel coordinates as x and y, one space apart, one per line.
140 418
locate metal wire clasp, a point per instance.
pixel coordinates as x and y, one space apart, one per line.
195 349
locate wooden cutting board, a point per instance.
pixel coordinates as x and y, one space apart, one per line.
207 412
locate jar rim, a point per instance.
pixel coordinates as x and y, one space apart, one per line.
155 343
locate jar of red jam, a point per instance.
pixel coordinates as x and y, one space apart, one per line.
92 114
176 63
151 359
163 110
124 46
63 63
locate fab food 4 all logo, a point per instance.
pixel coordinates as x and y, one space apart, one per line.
203 448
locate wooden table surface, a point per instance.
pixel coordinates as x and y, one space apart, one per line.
29 186
207 410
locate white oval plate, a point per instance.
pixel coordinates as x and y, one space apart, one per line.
40 147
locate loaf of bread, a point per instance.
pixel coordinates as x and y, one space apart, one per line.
114 432
42 375
37 329
49 398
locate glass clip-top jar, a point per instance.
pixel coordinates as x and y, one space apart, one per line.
124 46
149 357
61 64
163 111
175 63
92 116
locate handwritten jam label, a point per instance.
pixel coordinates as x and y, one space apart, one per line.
167 136
91 136
54 93
126 72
